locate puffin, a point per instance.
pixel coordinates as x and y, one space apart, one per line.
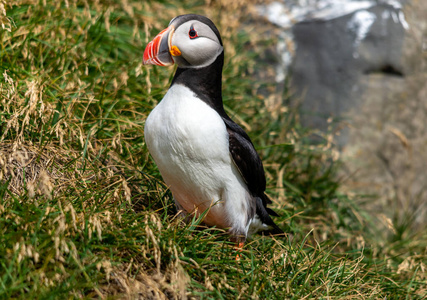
208 161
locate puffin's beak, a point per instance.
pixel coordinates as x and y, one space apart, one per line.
158 50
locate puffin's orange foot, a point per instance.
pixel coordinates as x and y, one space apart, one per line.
239 248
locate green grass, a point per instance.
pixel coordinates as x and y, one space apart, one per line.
84 212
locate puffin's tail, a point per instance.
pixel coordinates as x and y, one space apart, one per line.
265 214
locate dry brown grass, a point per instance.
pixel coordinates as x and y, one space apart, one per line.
37 170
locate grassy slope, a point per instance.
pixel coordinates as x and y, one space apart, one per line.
83 210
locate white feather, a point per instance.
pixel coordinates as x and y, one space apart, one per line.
256 225
189 142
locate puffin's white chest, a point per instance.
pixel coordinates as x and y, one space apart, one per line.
189 142
186 130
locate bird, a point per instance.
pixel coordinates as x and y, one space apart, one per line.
208 162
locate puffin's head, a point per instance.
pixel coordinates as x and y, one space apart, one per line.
190 41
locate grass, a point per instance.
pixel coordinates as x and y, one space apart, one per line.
84 212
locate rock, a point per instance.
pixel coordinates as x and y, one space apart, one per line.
385 150
364 65
334 54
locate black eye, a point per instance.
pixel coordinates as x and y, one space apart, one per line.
192 33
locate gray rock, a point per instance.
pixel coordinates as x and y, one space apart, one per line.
364 65
332 55
385 152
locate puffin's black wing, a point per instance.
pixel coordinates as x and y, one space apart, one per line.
250 167
246 158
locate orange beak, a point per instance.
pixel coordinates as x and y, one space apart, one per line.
158 50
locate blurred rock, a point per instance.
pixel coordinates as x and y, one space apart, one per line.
363 64
385 150
334 54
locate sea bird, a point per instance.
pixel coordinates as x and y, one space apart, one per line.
206 159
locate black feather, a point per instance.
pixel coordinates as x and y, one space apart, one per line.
264 215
